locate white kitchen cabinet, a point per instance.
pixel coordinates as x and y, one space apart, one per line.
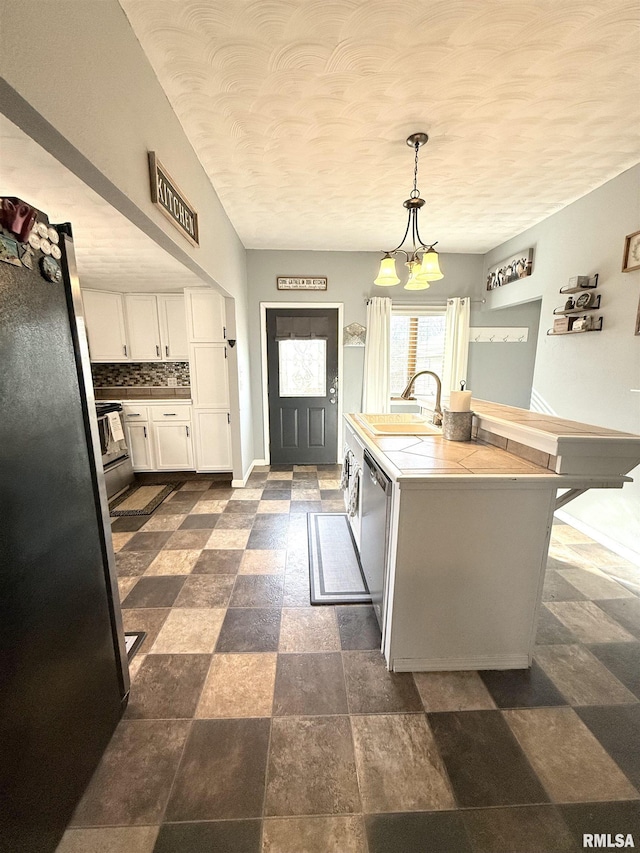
135 326
143 327
173 446
209 376
205 311
212 440
173 327
159 436
140 447
105 325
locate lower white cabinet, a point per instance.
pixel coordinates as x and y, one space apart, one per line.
140 448
213 440
159 436
173 446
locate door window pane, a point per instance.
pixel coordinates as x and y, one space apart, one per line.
302 368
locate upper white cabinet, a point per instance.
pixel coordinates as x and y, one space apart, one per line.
104 319
209 376
143 327
136 326
205 316
173 327
157 327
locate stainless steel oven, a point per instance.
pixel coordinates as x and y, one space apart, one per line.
118 471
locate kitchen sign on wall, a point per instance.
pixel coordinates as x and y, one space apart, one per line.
300 282
171 201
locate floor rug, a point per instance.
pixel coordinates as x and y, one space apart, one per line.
334 565
141 500
132 641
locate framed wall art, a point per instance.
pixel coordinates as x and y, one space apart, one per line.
631 256
516 267
301 282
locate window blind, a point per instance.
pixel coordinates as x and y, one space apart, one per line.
417 343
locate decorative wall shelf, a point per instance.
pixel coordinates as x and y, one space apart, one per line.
591 302
594 307
593 282
597 328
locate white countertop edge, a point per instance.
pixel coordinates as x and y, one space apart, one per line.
540 439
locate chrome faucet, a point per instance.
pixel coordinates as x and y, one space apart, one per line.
406 394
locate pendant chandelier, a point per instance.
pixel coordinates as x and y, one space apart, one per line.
422 260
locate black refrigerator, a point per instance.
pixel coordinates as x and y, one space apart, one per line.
63 671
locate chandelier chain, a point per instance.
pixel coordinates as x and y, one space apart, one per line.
415 192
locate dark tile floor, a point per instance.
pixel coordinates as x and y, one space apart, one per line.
260 724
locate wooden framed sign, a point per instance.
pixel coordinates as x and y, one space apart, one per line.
172 202
301 282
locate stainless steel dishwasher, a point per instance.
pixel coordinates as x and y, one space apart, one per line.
376 504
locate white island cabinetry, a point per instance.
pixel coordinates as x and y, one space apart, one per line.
469 532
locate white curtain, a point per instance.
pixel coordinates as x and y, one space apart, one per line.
376 390
456 344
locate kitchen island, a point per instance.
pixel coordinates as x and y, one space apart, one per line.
468 531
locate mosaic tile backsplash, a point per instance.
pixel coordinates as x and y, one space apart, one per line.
148 374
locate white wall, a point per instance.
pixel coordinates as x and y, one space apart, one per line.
588 377
77 81
350 281
503 372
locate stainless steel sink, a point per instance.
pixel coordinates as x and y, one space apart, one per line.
398 424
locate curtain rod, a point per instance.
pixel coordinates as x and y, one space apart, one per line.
427 303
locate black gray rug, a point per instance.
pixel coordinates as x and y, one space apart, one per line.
334 565
140 500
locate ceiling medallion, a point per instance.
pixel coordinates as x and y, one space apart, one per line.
422 269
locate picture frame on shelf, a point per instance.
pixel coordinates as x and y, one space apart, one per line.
631 255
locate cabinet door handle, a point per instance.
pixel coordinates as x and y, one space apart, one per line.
170 414
133 415
157 350
224 332
125 349
228 418
187 429
166 349
145 431
225 352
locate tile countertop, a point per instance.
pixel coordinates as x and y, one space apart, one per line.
414 459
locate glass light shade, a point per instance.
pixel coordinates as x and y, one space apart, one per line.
387 275
430 268
414 282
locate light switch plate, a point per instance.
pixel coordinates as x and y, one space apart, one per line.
172 382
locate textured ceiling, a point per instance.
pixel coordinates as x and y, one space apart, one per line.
298 110
111 252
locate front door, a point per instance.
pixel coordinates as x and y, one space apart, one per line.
302 371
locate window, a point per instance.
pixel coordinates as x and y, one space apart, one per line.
417 343
302 368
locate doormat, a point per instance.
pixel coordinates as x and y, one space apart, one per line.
132 641
334 565
141 500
